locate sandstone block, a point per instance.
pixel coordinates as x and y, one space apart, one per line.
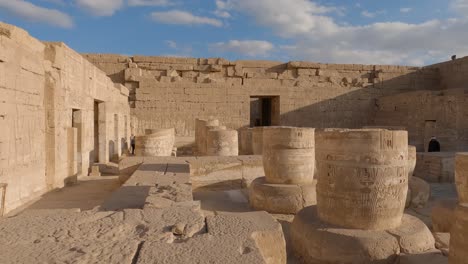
281 198
459 236
430 257
317 242
257 140
442 215
245 141
221 142
155 143
362 177
289 155
461 176
419 192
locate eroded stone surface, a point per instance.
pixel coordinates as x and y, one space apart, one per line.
419 192
281 198
155 143
317 242
459 236
362 177
461 176
289 155
222 143
442 215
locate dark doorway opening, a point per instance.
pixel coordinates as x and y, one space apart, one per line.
95 153
264 111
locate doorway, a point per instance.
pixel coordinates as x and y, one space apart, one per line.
264 111
95 153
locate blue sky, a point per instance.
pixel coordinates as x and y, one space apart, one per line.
411 32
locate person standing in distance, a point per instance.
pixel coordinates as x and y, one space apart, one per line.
434 145
132 143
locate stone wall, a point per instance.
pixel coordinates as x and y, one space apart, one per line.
22 119
428 113
172 92
47 99
453 74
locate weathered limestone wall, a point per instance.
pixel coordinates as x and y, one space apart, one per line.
172 92
75 85
452 73
47 96
22 119
428 113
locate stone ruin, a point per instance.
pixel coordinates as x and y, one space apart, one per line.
236 161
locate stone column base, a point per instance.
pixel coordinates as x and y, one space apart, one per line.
281 198
314 241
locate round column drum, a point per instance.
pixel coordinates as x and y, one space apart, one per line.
245 141
199 128
289 155
222 143
202 134
160 142
459 236
257 140
363 177
411 160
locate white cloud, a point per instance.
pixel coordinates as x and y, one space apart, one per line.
460 6
222 14
288 18
149 3
34 13
250 48
406 9
178 17
315 35
100 7
368 14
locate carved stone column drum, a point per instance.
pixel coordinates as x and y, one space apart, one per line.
199 129
289 155
201 135
411 160
363 177
156 143
221 142
257 140
461 177
459 236
245 141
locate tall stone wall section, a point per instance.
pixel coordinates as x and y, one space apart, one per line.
43 88
173 92
428 113
22 119
76 84
453 74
